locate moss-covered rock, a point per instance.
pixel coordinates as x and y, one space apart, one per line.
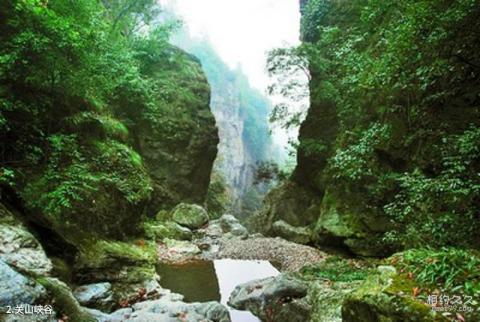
190 215
326 299
387 296
63 300
161 230
179 145
300 235
128 266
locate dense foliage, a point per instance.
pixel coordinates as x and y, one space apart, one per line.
447 268
394 126
80 82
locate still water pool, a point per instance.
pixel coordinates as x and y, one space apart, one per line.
202 281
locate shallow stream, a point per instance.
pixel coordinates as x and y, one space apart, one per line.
203 281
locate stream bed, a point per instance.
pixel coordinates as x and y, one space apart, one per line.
203 281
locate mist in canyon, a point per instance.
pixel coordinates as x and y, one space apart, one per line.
234 58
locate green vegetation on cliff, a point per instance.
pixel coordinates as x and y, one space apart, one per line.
390 145
101 120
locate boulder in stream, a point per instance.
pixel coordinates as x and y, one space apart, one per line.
190 215
281 299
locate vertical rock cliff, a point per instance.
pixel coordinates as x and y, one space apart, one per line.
392 127
241 113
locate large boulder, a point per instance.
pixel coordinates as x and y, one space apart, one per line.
16 289
20 249
190 215
98 295
281 299
299 235
173 309
230 224
161 230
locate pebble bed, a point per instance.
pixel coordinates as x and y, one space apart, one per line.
288 256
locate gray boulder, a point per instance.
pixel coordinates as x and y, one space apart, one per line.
21 250
98 296
168 309
16 289
190 215
230 224
281 299
299 235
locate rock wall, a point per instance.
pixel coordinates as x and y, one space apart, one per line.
370 154
241 113
180 163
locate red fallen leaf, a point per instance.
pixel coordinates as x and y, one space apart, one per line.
182 316
142 293
415 291
123 303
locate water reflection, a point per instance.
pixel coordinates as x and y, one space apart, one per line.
194 280
202 281
231 273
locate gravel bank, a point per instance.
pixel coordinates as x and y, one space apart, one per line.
289 256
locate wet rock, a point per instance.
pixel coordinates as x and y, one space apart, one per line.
299 235
16 289
280 298
230 224
190 215
97 296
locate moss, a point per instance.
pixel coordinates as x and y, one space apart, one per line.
386 296
63 300
98 253
61 269
160 230
338 269
401 284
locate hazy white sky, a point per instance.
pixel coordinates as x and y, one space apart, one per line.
242 31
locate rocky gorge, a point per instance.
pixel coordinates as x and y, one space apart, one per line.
111 210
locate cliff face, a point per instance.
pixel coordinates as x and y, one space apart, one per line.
392 126
235 161
179 155
241 114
